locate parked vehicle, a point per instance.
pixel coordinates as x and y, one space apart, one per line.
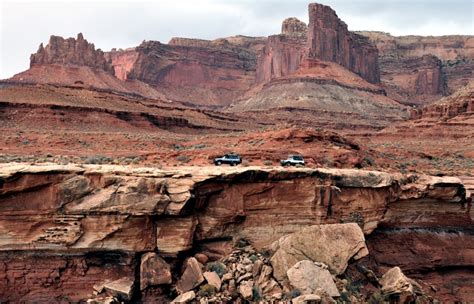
293 160
230 159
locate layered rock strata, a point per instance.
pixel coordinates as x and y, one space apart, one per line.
70 52
404 58
330 40
195 71
458 104
85 213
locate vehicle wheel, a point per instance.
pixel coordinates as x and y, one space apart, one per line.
232 164
218 163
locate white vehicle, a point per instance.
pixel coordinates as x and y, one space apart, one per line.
293 160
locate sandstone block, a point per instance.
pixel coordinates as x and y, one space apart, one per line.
121 288
333 245
307 277
192 276
184 298
154 271
213 279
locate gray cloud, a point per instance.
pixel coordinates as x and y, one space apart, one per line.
25 24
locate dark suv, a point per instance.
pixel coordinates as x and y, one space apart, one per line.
230 159
293 160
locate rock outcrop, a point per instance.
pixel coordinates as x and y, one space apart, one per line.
281 56
70 51
319 244
458 104
326 38
106 220
194 71
76 63
404 58
413 80
330 40
294 27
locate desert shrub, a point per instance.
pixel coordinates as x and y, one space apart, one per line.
217 267
376 298
207 290
253 258
178 147
183 159
344 298
355 217
199 146
97 159
354 287
295 293
267 162
368 161
256 294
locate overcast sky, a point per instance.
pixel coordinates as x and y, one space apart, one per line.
108 23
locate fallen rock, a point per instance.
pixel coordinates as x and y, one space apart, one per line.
202 258
213 279
333 245
154 271
308 277
306 299
245 290
184 298
192 276
395 282
121 288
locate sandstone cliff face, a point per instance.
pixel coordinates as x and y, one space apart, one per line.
281 56
190 70
330 40
455 52
413 80
70 52
458 104
102 218
122 61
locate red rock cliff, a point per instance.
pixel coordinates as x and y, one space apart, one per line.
68 229
190 70
413 80
456 53
459 103
330 40
70 52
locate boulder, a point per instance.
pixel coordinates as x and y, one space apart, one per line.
307 277
154 271
121 288
202 258
184 298
395 282
192 276
245 290
213 279
333 245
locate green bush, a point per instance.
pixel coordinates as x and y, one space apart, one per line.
207 290
183 159
217 267
256 293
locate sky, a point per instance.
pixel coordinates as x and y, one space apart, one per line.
24 24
